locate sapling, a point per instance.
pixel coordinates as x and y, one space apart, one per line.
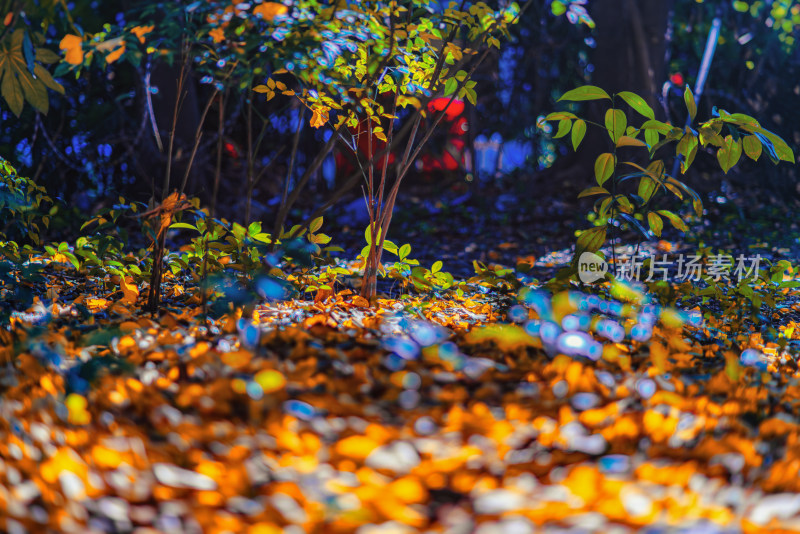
729 134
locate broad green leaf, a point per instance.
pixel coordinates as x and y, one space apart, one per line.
604 167
710 135
315 225
691 106
615 123
586 92
593 191
450 86
651 137
254 228
47 79
676 221
605 205
637 103
729 154
655 222
591 240
319 239
436 267
404 251
752 147
34 91
46 56
656 169
12 91
389 246
563 128
472 96
687 147
782 150
578 131
647 187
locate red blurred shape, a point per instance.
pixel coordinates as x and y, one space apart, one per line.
453 110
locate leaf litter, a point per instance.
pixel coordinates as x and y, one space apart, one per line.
520 412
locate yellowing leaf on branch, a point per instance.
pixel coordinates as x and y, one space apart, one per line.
141 31
270 10
115 55
319 118
73 45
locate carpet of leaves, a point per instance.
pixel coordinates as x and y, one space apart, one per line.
417 414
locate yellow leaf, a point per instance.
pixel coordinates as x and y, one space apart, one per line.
217 34
318 119
260 88
74 47
141 31
130 291
115 55
270 10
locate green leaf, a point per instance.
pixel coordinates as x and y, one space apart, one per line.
182 225
436 267
691 106
319 239
676 221
578 131
651 137
655 222
47 79
593 191
368 234
558 115
591 240
315 225
563 128
254 228
687 147
389 246
781 148
450 86
647 188
604 167
710 135
12 91
46 56
472 96
404 251
615 123
658 126
752 147
586 92
729 154
35 91
637 103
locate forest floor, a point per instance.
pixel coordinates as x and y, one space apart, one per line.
444 413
